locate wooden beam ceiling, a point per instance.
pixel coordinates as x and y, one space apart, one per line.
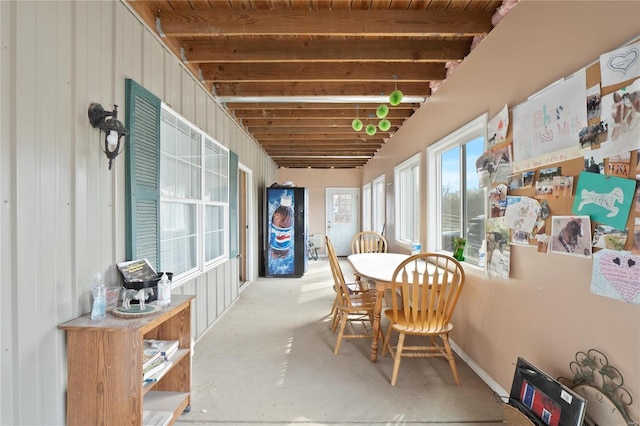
296 73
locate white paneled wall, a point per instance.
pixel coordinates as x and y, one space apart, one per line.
61 209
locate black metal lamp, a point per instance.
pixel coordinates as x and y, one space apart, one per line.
112 127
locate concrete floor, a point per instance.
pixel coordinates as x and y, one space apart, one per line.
269 361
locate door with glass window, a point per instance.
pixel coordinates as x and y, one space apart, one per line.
342 215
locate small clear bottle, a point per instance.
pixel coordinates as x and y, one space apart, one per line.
416 248
482 254
164 291
99 308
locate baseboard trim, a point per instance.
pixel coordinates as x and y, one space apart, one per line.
478 370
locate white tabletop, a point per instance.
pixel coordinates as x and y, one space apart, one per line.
376 266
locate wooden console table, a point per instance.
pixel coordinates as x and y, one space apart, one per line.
104 363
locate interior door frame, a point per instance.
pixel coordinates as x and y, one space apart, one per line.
356 216
247 222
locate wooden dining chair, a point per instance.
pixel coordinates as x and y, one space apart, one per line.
367 242
351 306
425 289
354 287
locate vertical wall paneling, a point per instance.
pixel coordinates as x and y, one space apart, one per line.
220 296
61 209
188 94
212 111
112 93
86 141
65 136
212 306
198 287
219 129
7 211
153 66
26 181
234 268
200 100
172 82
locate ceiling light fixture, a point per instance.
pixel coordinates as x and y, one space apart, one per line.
371 128
395 98
382 111
356 124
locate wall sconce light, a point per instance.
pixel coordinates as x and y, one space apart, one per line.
112 127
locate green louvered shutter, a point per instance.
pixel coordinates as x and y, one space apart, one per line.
233 204
142 186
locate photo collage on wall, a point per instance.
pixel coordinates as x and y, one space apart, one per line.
590 212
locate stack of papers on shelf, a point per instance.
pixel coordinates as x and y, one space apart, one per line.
153 368
156 418
165 347
149 357
152 378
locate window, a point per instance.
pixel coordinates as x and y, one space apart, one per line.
407 200
455 199
378 205
194 196
366 207
177 189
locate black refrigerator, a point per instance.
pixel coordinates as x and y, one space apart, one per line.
285 232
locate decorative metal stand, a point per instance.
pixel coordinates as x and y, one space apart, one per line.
599 381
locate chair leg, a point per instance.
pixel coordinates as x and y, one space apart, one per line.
386 341
343 323
450 358
334 318
396 359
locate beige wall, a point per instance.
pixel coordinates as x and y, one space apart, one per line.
545 312
316 181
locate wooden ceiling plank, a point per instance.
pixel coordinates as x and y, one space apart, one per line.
268 50
349 71
187 23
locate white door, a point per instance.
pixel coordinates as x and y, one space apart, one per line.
343 212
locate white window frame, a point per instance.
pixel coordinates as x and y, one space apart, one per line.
203 201
378 204
406 177
467 133
366 207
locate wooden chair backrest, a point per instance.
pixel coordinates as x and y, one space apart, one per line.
340 285
426 287
368 242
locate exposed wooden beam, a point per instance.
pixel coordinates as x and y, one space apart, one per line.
266 138
322 144
305 131
253 51
363 114
347 71
388 23
310 122
319 89
304 106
